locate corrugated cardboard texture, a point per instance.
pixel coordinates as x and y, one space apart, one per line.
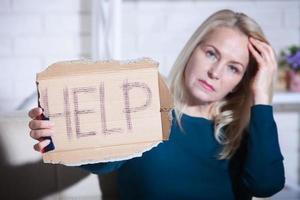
104 110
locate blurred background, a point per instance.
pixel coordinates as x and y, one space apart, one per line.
37 33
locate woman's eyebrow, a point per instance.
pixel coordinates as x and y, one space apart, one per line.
220 55
212 46
236 62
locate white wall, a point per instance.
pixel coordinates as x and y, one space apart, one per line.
36 33
162 28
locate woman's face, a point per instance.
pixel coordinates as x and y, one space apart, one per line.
216 65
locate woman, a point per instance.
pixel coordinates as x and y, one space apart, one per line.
223 142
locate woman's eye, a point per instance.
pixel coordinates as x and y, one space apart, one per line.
233 69
211 55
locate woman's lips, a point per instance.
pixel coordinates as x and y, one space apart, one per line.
206 86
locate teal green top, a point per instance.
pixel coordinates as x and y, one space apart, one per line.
185 166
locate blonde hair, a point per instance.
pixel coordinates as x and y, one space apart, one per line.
230 115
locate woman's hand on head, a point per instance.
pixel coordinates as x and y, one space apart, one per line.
262 84
39 128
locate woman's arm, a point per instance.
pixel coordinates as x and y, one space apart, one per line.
263 172
102 168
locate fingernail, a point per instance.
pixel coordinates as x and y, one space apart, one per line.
40 110
47 142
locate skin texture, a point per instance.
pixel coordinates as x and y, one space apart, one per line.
220 60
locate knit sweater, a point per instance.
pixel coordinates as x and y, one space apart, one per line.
186 166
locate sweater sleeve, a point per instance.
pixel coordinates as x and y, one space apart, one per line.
102 168
263 172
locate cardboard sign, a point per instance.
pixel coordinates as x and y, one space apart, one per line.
104 110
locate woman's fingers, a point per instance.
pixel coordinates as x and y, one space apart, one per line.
263 81
265 50
37 134
35 112
40 124
266 46
255 53
40 129
41 145
259 48
263 53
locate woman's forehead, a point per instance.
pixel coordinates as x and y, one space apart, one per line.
231 43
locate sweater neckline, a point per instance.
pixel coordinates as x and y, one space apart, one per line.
194 118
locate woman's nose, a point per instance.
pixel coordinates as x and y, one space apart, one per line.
215 71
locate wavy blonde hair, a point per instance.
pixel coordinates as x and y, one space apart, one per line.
231 114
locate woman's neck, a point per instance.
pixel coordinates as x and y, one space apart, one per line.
198 110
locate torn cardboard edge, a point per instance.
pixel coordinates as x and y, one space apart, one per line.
114 155
120 152
74 67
